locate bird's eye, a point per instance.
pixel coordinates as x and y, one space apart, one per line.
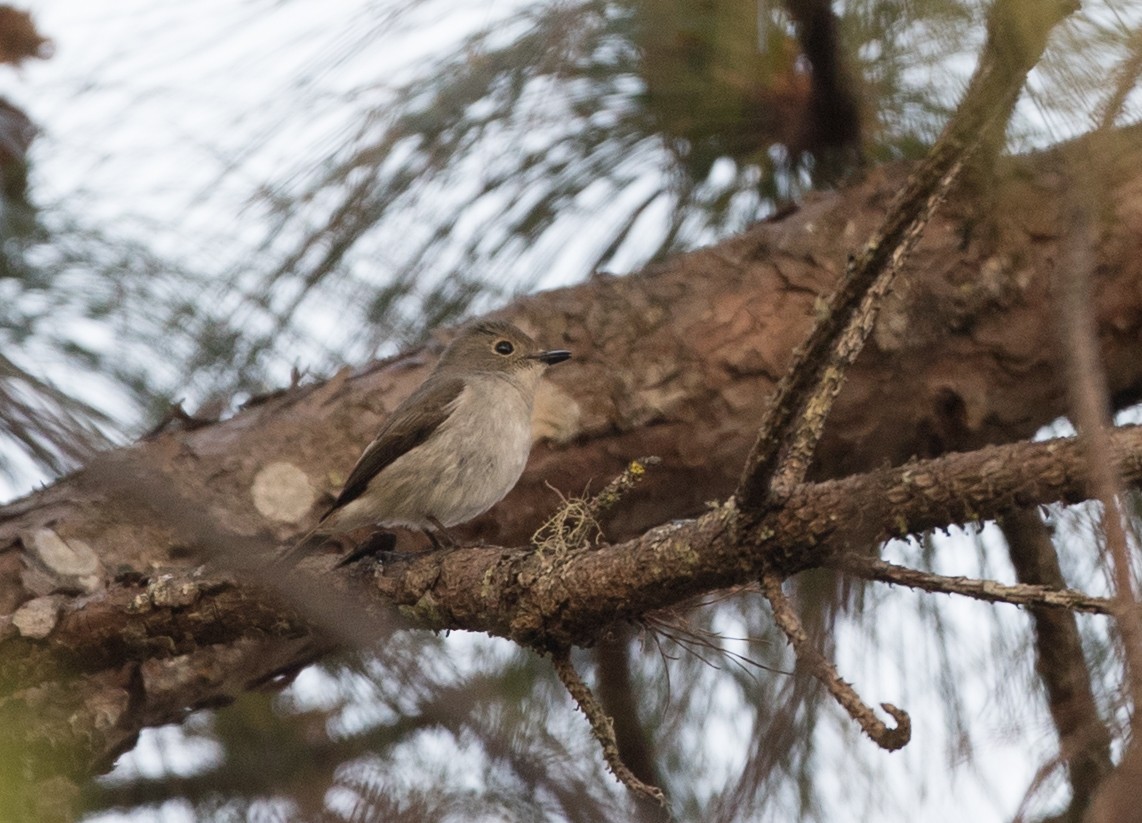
504 347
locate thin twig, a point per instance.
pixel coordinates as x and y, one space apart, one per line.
619 697
794 418
601 725
576 522
618 488
1020 594
794 462
809 656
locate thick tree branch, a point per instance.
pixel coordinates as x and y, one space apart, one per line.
537 599
540 599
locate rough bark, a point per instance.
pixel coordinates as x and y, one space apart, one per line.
676 361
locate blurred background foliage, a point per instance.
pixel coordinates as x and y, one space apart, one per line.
392 165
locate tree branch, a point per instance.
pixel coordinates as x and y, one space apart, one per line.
538 601
602 726
1128 74
809 657
793 421
619 697
1023 594
1090 403
1084 741
522 595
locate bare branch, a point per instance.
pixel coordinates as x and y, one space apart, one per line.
795 460
1023 594
619 696
1090 402
811 658
601 725
790 427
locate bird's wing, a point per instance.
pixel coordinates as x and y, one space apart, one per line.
407 427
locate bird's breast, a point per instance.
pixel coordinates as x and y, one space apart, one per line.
484 445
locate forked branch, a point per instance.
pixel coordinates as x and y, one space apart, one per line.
794 419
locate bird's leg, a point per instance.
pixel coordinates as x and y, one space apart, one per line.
449 540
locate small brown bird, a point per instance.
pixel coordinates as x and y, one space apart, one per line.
454 447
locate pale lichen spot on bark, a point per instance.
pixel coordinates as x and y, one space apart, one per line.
994 277
71 563
36 618
282 493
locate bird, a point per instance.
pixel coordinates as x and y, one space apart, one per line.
453 449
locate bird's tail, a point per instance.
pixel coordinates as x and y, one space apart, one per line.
307 543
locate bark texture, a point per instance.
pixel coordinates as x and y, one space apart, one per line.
106 627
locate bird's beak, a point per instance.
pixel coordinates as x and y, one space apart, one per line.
550 358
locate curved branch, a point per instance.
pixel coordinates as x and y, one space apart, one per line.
889 739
